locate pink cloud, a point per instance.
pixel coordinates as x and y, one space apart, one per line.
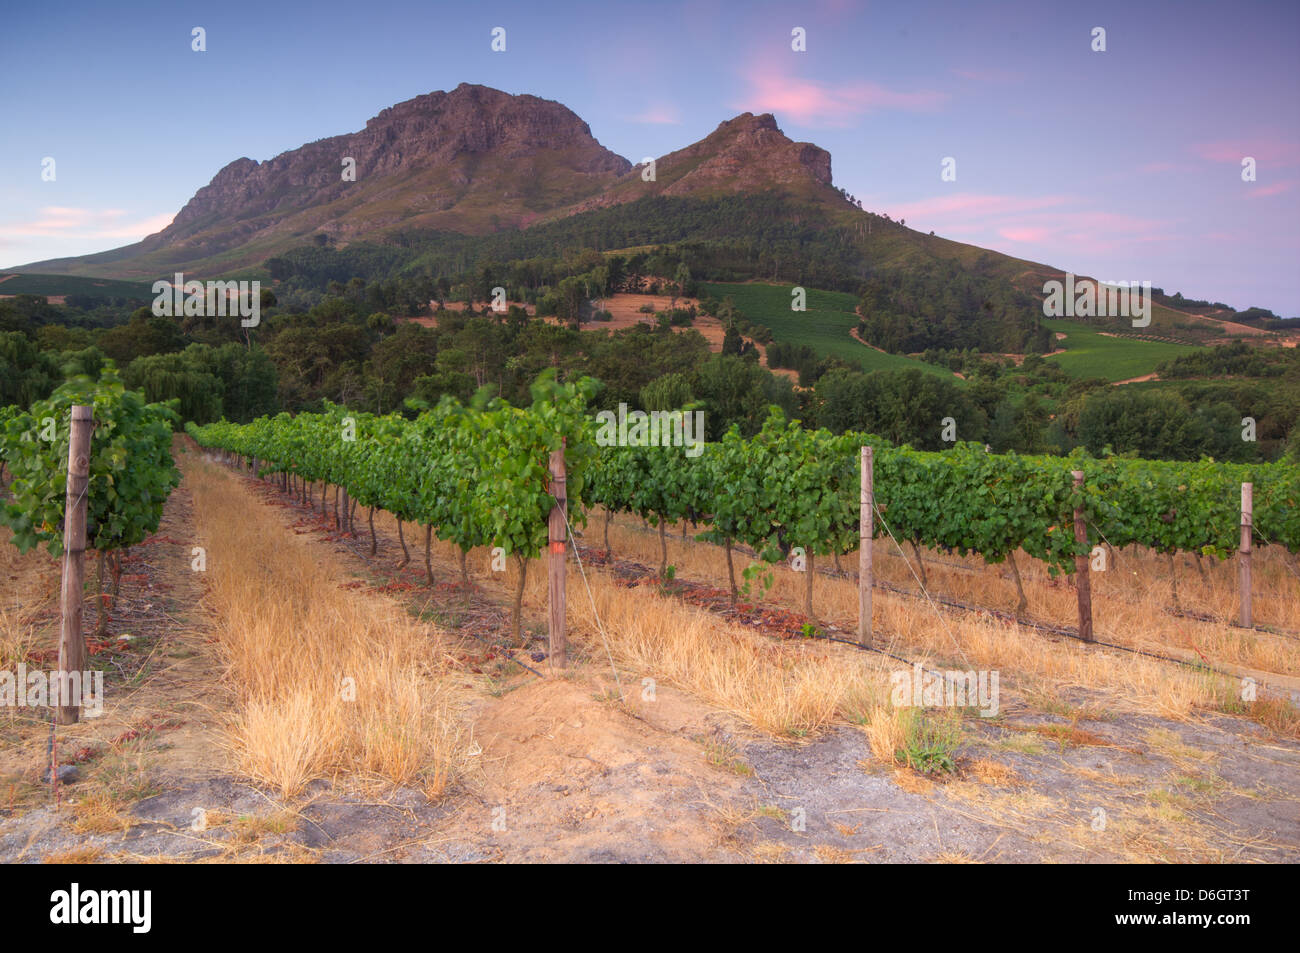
1262 149
65 222
1263 191
659 114
1049 222
813 103
1025 234
968 204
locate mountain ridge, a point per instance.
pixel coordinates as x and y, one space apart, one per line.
473 160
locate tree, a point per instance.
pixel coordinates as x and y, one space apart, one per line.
670 392
681 278
167 377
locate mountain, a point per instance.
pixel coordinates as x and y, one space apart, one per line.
471 160
485 164
745 154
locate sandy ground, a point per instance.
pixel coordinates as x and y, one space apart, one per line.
52 299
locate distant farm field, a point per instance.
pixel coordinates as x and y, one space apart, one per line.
826 326
61 285
1090 353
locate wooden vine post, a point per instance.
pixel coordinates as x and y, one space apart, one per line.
72 647
866 521
1081 567
558 537
1247 524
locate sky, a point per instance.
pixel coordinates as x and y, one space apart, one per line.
1124 164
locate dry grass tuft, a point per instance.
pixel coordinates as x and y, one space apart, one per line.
76 855
993 773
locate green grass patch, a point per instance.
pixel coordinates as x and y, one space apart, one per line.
825 327
15 283
931 742
1090 353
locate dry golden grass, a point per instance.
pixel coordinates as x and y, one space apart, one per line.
993 773
98 812
31 579
953 857
786 690
972 641
327 681
76 855
789 689
1128 599
783 689
18 636
886 731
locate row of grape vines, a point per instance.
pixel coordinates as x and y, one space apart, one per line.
474 476
478 477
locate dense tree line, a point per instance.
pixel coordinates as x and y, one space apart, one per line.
1237 359
942 304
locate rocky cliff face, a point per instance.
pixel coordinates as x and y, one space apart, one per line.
746 154
434 145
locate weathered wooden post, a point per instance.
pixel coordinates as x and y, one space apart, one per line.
1081 568
72 647
558 645
1247 528
866 523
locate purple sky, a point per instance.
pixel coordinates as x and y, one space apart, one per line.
1124 164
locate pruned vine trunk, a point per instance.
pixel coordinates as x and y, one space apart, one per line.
1022 603
1173 582
406 554
517 610
101 620
663 549
464 566
920 565
115 568
731 572
609 515
428 551
810 571
374 540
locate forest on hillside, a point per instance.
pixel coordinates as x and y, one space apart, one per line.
345 346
